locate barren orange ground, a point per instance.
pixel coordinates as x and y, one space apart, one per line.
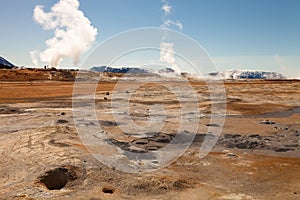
38 135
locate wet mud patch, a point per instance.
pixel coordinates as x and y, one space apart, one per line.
276 143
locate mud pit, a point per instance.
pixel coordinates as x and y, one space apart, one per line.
42 156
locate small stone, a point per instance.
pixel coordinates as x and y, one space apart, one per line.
282 149
213 125
253 145
231 155
141 142
242 146
268 122
62 121
254 136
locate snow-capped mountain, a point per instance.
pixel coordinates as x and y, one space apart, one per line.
5 64
246 74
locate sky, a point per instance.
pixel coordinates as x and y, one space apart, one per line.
236 34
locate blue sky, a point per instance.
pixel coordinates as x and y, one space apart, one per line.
251 34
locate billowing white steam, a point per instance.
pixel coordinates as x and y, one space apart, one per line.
73 32
167 55
166 47
33 55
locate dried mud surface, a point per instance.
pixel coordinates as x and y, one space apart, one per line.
256 157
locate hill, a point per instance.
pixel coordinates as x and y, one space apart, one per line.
4 64
246 74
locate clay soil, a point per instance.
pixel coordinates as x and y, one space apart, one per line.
257 155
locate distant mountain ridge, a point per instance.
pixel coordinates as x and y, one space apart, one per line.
132 70
4 64
135 70
246 74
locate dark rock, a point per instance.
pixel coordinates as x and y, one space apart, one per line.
123 145
107 123
57 144
62 121
252 145
162 138
231 155
268 122
254 136
282 149
140 142
226 136
108 190
242 145
213 125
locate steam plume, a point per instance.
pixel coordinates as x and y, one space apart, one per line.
167 23
166 7
73 32
167 55
167 48
33 55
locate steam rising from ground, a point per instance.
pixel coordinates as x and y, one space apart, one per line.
34 58
166 47
73 32
167 55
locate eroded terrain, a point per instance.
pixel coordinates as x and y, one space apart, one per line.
256 156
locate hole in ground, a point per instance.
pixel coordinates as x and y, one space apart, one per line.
108 190
58 178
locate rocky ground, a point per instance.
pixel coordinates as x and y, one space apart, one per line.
256 155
